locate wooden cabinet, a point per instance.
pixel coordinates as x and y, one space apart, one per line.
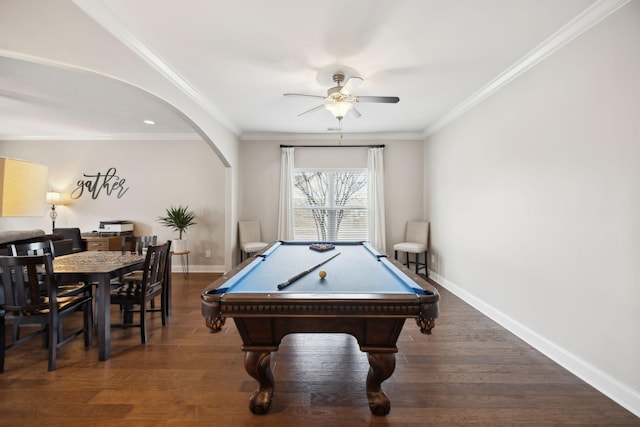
111 243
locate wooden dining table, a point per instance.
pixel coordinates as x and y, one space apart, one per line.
98 267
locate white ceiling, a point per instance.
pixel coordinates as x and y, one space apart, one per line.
242 55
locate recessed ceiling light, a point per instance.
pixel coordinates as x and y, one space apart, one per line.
149 122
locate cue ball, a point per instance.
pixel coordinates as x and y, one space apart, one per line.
322 274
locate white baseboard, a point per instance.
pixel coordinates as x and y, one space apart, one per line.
611 387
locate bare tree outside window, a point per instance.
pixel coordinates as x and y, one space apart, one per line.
330 205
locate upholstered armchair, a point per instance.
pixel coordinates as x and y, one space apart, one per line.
416 241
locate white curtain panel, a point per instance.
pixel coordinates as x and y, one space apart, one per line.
375 167
285 208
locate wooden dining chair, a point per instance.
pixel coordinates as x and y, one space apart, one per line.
34 248
134 294
71 287
166 286
3 339
137 275
24 303
137 244
67 288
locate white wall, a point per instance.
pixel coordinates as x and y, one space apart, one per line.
260 179
82 44
157 173
534 203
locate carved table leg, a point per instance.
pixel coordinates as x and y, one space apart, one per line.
381 366
258 365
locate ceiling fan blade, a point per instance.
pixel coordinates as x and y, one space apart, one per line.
304 94
382 99
352 82
312 110
355 113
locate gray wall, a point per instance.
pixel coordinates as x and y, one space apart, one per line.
534 203
260 179
158 174
189 172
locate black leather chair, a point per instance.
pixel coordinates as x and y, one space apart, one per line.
75 235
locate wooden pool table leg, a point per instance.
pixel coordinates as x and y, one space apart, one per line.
258 365
381 366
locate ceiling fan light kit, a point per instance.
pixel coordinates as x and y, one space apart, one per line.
339 109
339 100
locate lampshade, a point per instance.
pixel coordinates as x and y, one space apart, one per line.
22 187
339 109
53 198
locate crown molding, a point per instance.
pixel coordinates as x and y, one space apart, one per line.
416 136
379 136
105 17
102 14
581 23
102 137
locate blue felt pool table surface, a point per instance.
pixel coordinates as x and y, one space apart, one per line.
358 269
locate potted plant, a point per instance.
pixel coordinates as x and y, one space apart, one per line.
178 219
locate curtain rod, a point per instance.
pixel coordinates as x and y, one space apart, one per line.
332 146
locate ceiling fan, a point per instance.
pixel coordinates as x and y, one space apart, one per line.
339 101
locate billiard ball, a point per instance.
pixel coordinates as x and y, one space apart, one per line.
322 274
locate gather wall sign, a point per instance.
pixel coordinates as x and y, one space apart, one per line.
109 184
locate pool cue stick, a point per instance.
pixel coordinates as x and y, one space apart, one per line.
304 273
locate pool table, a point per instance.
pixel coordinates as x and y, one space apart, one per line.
364 294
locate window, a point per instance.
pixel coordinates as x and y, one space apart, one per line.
330 205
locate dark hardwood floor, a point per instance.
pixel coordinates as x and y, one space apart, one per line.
469 372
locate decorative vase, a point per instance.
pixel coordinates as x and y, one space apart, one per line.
179 245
